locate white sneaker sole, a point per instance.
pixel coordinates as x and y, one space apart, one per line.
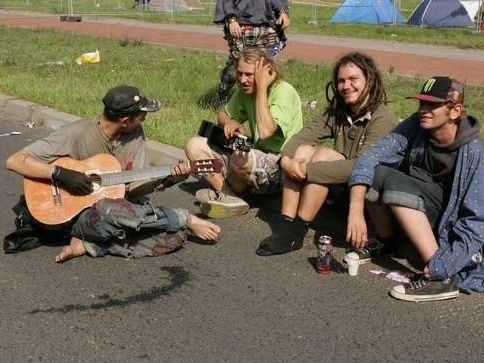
222 210
398 292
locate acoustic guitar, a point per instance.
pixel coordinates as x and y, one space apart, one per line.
51 204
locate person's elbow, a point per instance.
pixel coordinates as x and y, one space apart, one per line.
15 160
10 162
264 134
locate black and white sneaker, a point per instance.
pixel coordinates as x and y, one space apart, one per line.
426 290
374 248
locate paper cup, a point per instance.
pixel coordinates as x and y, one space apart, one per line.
353 263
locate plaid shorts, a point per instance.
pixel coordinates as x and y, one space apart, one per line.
265 176
254 36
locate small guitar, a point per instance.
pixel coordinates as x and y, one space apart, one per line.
216 138
53 205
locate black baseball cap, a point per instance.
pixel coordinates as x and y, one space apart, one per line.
441 89
124 100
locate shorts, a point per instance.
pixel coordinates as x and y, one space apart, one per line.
391 186
264 175
264 37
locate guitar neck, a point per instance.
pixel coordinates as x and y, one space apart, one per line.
128 176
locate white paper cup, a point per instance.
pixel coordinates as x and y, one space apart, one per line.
353 263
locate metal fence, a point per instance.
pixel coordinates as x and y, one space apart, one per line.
203 9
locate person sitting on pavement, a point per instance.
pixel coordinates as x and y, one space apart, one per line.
272 109
427 175
249 23
111 226
355 118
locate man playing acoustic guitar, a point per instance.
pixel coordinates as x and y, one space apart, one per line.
129 227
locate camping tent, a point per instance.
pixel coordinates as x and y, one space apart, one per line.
367 11
445 13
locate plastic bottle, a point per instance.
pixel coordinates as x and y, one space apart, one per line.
325 250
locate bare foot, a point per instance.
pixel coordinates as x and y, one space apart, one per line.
75 249
204 229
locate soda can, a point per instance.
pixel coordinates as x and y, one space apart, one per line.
325 249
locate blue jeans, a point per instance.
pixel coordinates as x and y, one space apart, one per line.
391 186
112 226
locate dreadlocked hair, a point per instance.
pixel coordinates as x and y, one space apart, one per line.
373 95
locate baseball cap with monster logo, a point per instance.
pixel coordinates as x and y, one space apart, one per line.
441 89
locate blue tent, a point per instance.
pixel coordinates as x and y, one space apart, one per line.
440 13
367 11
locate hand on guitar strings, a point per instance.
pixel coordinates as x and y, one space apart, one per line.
73 181
182 168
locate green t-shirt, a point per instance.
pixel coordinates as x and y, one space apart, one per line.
285 108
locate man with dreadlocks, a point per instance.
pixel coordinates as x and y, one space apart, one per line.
355 118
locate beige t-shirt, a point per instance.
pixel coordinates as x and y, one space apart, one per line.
84 138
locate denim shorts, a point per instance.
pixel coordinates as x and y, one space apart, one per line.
391 186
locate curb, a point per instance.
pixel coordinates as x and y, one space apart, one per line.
158 153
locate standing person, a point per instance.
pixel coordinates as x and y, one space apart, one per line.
110 224
249 23
355 118
272 109
427 175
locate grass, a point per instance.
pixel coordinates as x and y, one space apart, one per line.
302 15
183 80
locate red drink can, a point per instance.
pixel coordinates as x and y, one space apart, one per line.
325 249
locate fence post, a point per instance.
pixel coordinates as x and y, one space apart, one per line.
314 19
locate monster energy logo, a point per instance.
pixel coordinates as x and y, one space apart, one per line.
428 85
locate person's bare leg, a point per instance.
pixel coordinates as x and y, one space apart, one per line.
291 192
202 228
381 220
240 170
418 229
198 149
313 195
312 199
74 249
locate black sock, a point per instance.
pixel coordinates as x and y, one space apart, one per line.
299 220
387 241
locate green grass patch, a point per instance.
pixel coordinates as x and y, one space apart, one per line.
184 80
306 19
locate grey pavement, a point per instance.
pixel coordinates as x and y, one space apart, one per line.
212 303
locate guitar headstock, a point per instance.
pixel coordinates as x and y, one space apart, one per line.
206 166
241 143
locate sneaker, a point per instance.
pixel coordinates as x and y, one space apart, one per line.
426 290
373 249
220 205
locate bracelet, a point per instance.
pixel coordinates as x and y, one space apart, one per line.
231 20
55 173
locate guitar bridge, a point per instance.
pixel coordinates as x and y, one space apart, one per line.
56 194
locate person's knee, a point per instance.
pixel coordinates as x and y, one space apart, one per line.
197 147
326 154
305 152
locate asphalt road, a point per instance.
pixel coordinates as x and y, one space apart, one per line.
215 303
